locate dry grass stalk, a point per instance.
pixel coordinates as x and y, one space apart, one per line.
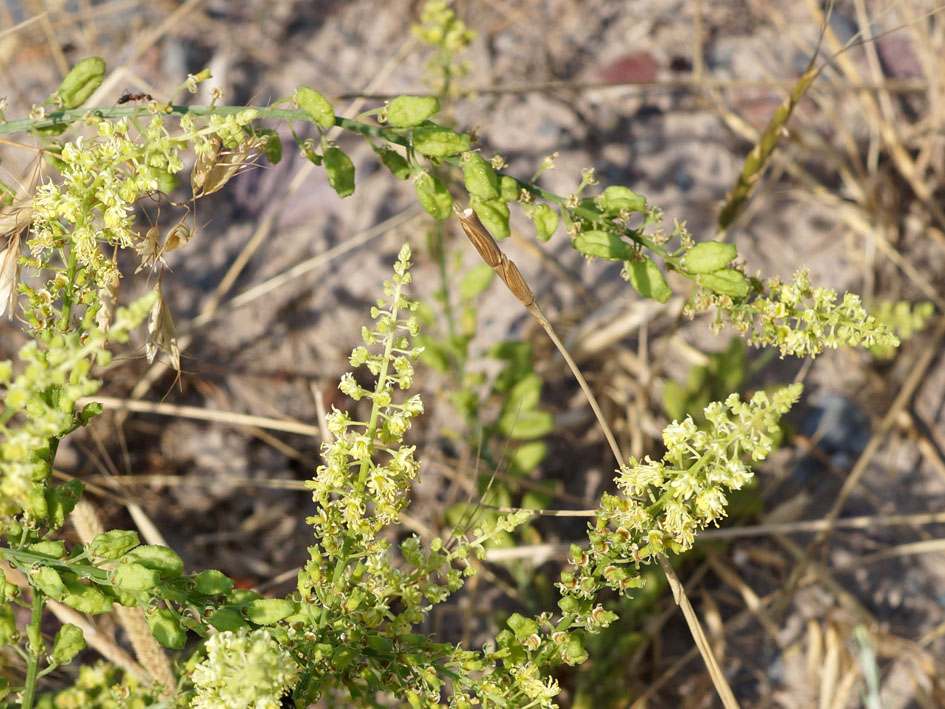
758 158
494 256
507 270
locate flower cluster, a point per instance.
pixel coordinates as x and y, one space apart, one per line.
365 461
665 503
243 670
800 319
102 686
45 393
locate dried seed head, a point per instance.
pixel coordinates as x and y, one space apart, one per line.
491 253
206 159
9 275
214 168
178 236
15 219
149 249
161 333
480 237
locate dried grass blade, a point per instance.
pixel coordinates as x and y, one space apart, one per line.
758 158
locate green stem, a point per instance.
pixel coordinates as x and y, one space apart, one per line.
34 633
67 292
386 133
371 431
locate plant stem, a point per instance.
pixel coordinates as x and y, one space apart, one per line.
35 643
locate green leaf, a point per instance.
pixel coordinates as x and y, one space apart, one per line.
68 643
617 199
135 577
435 355
114 543
603 244
433 196
340 171
726 281
315 105
439 142
226 619
525 425
162 559
709 256
648 280
212 583
538 499
524 395
395 162
342 657
166 628
81 82
494 215
411 110
479 177
529 456
675 400
475 281
267 611
545 219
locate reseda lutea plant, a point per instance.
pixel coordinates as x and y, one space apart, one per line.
350 631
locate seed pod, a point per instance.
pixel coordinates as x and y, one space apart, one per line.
509 190
616 199
438 142
315 105
340 171
479 177
494 215
709 256
166 628
395 162
603 244
726 281
113 544
647 279
81 82
135 577
410 110
545 219
433 196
